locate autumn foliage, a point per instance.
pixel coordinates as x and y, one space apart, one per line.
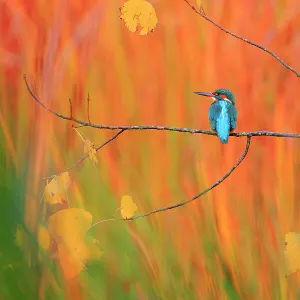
139 13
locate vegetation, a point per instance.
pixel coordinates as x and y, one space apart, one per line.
97 140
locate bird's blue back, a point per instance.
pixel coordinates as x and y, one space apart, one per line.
222 118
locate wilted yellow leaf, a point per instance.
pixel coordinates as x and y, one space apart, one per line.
292 252
128 207
44 238
139 12
55 190
71 262
68 228
89 149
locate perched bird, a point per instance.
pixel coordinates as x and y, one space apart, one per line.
222 112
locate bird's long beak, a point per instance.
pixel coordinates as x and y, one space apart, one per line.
205 94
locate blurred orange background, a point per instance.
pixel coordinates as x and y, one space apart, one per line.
226 245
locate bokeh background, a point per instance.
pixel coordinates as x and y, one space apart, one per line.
226 245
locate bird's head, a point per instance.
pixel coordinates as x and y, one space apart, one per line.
219 94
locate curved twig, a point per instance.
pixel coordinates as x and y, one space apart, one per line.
193 198
165 128
200 194
203 15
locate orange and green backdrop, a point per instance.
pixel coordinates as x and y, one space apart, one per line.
229 244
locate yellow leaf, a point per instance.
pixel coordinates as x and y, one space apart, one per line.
139 12
67 225
68 228
44 238
55 190
89 149
71 260
292 252
64 180
128 207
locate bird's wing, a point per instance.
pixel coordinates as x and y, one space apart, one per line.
214 113
233 116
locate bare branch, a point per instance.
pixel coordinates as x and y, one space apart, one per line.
203 15
202 10
169 207
42 104
71 109
86 156
88 108
200 194
165 128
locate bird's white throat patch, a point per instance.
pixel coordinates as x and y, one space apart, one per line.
226 99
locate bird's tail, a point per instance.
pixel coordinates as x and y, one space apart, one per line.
223 129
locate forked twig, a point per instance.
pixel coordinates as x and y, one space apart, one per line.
160 128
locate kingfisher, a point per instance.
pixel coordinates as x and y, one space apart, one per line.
222 112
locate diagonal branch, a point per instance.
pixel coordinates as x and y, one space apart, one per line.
86 156
165 128
200 194
203 15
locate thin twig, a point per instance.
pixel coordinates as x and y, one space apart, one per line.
107 220
202 10
79 134
200 194
164 128
71 109
169 207
86 156
203 15
88 108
